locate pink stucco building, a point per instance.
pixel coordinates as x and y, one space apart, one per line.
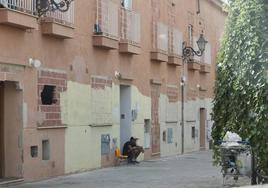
76 85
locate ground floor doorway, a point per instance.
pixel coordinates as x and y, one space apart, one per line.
203 114
10 130
125 114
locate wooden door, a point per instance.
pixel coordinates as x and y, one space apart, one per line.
202 128
155 94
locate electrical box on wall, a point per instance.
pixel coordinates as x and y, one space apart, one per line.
134 114
105 144
170 135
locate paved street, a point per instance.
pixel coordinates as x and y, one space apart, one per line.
193 170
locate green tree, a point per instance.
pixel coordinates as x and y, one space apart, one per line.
241 88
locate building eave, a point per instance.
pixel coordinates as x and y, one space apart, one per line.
219 4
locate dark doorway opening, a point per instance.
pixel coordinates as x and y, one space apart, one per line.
203 128
48 95
125 114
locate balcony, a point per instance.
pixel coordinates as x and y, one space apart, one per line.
175 47
106 27
59 24
18 13
160 43
193 65
174 60
205 68
159 56
130 32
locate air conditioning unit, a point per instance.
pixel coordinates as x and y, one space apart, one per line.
3 3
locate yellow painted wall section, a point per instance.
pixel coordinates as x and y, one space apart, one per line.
83 133
142 105
88 113
75 107
170 117
78 149
76 104
116 104
101 106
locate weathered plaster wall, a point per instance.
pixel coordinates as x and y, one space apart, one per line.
52 167
82 142
192 118
75 104
142 105
84 129
170 118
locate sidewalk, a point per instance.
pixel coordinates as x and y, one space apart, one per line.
193 170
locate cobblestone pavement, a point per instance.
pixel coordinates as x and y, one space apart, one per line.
193 170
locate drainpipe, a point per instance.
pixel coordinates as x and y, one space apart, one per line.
182 114
183 80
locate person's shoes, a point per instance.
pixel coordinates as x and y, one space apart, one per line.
129 161
135 161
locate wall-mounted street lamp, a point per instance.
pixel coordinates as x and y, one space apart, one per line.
188 53
44 6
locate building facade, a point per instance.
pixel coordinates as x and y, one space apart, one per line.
76 85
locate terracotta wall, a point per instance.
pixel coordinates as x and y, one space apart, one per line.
79 53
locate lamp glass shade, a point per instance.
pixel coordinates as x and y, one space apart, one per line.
201 43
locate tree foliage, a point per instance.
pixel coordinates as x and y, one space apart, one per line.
241 88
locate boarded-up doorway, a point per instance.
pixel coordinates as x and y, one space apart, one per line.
203 114
10 130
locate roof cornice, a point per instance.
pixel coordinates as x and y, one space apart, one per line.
219 4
